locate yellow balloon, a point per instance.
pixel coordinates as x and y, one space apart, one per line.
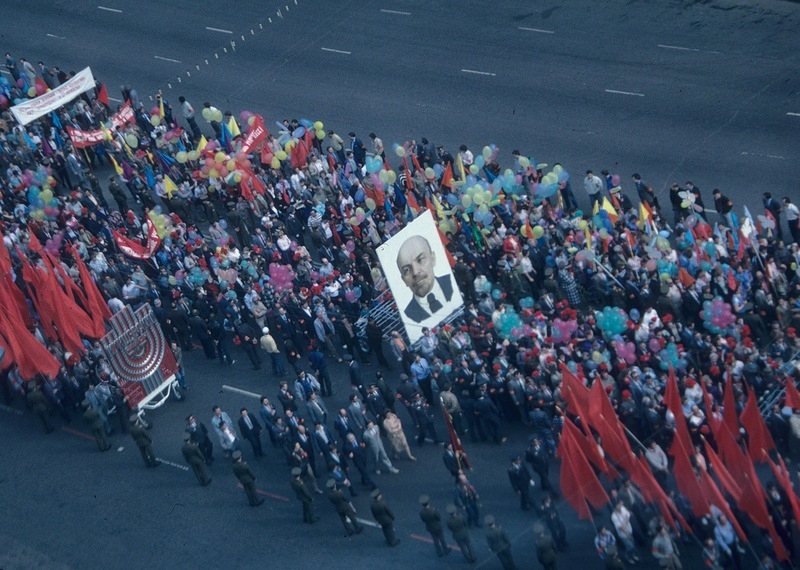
391 177
219 157
276 163
383 176
583 224
237 177
538 231
280 155
487 153
370 203
473 169
318 126
213 173
524 162
289 145
478 198
231 164
484 209
193 155
400 151
487 196
181 156
251 120
155 120
558 169
466 200
429 173
46 195
320 134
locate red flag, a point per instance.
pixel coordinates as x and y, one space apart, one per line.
258 186
134 249
412 202
723 476
782 477
300 154
687 480
740 252
753 503
575 394
23 349
455 441
709 406
602 417
102 95
447 177
672 399
686 279
589 449
590 485
732 283
758 435
729 405
257 134
409 183
445 241
571 488
792 394
712 493
97 309
732 455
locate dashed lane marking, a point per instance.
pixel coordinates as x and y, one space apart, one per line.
221 31
166 59
473 71
624 92
236 390
398 13
267 494
336 51
116 11
537 30
171 464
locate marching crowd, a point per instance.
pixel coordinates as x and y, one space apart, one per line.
270 254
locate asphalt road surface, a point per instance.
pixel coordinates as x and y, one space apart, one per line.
706 91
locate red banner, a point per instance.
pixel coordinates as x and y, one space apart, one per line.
134 249
83 139
258 134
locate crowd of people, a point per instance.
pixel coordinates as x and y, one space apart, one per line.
270 253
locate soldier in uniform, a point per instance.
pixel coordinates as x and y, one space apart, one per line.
38 404
546 551
303 495
521 481
194 457
433 524
92 417
499 543
344 508
384 517
457 524
143 442
242 471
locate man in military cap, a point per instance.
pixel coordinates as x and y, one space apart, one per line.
384 516
38 404
245 476
499 543
546 550
433 524
143 442
304 496
194 457
457 524
92 417
344 508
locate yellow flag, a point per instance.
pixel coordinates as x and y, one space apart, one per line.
161 112
234 128
117 167
106 133
201 144
438 207
169 186
644 215
460 166
596 209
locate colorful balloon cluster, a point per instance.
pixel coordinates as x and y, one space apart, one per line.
717 315
612 321
281 277
509 325
625 351
563 330
671 357
162 222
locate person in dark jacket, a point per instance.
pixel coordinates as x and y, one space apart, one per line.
457 524
384 516
521 481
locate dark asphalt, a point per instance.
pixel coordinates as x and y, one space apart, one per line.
716 80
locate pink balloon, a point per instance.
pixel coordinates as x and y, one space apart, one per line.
654 345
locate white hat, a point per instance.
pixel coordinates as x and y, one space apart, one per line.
265 330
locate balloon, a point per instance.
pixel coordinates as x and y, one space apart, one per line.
213 173
391 177
31 92
320 134
155 120
524 162
473 168
281 155
181 156
466 200
351 247
216 115
275 163
299 132
318 126
219 157
538 232
193 155
487 153
400 151
429 173
370 203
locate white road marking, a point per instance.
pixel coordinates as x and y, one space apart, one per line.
236 390
680 48
109 9
396 12
760 154
56 37
115 99
10 409
218 30
336 51
368 523
166 59
793 114
171 464
537 30
624 92
478 72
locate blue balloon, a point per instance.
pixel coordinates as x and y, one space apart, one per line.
299 132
